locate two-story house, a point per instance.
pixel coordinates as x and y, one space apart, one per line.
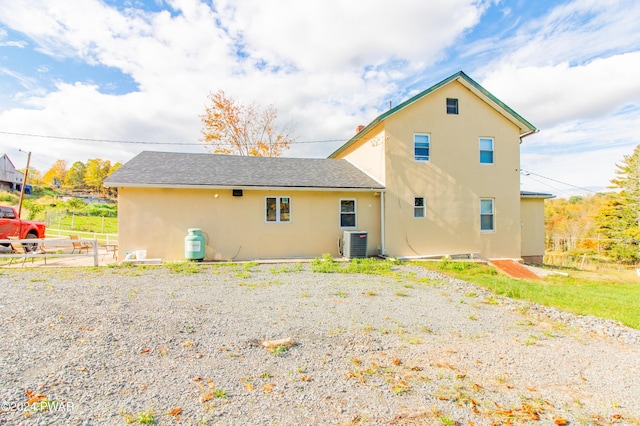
449 159
437 175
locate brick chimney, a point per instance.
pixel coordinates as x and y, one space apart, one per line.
359 128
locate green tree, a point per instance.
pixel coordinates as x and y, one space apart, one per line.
97 171
75 176
619 217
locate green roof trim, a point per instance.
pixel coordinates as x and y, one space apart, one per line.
526 128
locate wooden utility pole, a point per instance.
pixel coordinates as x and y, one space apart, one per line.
24 183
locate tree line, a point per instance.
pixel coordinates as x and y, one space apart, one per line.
89 175
607 224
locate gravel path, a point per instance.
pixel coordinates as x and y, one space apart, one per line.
125 345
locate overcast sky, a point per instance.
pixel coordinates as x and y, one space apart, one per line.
140 71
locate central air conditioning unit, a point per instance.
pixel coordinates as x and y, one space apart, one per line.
354 244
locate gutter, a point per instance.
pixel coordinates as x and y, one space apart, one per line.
383 250
244 187
524 135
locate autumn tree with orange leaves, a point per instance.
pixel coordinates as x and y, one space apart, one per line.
229 127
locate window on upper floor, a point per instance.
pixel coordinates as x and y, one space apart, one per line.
278 209
486 150
452 106
421 147
348 213
487 222
418 207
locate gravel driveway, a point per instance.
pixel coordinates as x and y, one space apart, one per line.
131 345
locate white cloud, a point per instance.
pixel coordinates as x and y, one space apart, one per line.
557 93
337 35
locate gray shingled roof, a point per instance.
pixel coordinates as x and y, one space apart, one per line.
173 169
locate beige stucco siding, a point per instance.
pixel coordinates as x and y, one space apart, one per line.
532 211
453 181
158 219
368 154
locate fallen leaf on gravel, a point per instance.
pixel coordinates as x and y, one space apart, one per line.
305 378
249 387
560 421
208 396
268 387
187 344
175 411
83 369
145 351
416 368
396 361
82 340
34 397
196 379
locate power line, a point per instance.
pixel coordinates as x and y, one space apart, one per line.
527 173
138 142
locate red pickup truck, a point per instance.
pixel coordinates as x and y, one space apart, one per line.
12 226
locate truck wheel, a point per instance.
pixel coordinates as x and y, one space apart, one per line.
30 246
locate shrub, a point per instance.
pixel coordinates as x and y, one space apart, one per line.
8 198
107 210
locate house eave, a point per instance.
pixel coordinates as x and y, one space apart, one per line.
539 195
244 187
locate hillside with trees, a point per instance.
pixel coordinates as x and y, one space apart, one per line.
71 197
603 225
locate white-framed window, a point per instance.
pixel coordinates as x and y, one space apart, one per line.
348 213
452 106
418 207
421 142
277 209
486 150
487 214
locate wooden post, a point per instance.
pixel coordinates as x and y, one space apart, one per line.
24 183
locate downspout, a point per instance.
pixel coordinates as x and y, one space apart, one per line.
383 251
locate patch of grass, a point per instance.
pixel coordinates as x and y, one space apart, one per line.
280 350
372 266
219 393
447 421
296 267
185 267
144 418
615 298
88 224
